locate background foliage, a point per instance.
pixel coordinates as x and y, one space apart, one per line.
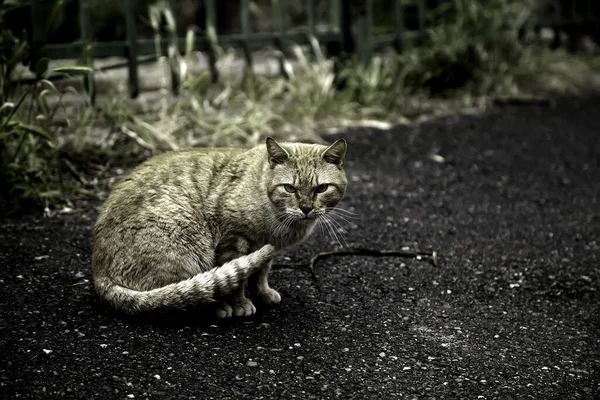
53 151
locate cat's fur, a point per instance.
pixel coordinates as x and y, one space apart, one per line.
194 226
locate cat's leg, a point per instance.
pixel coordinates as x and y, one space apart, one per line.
242 306
259 287
228 250
223 310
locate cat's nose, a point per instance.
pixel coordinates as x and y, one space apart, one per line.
306 209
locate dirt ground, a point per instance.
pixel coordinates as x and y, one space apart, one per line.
509 200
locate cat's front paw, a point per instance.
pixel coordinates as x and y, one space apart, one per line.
223 310
243 308
268 296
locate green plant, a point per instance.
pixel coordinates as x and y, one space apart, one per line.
475 48
29 122
30 165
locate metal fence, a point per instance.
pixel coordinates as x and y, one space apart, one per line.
350 26
139 50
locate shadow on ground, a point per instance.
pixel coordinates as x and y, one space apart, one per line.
510 201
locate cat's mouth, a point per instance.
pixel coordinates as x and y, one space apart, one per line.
305 218
301 217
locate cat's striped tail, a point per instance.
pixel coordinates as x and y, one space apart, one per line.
203 288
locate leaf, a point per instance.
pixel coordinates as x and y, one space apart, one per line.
12 3
34 130
60 99
53 21
41 66
18 56
74 70
14 110
189 42
6 106
50 193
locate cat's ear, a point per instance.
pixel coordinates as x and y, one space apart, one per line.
277 155
336 153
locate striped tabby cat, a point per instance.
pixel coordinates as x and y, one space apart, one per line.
197 226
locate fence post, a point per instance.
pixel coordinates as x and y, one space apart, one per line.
346 22
246 30
284 66
134 88
421 15
312 37
211 30
558 11
173 54
310 16
38 25
399 26
364 31
334 15
86 48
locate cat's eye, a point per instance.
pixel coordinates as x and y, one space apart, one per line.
289 188
321 188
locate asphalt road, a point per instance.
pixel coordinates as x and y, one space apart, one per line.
509 200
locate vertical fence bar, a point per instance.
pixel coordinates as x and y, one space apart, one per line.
310 16
422 10
346 23
365 32
134 88
280 18
37 18
87 55
211 30
334 15
246 30
284 66
557 25
312 37
399 26
173 54
574 26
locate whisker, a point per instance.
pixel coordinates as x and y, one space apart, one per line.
320 223
342 212
340 230
342 217
333 230
327 227
339 226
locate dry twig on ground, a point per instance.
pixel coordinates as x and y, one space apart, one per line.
432 256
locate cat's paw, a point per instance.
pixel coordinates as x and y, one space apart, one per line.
268 296
223 310
243 308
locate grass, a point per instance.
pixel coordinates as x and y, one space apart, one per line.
52 153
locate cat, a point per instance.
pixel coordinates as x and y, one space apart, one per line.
194 227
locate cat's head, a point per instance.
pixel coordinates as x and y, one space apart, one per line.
305 180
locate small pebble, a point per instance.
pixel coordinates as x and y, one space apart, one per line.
47 351
382 354
251 363
157 376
